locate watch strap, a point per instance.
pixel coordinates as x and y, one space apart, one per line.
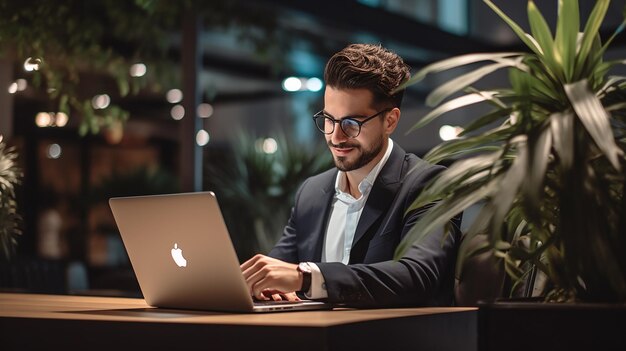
306 277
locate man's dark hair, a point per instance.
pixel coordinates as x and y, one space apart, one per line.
371 67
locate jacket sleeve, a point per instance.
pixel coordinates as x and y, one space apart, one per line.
424 276
287 249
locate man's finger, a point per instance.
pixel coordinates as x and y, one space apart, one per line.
254 279
291 296
277 297
254 267
257 291
249 263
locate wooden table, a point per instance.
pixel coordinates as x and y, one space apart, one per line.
101 323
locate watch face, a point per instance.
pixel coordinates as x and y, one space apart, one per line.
304 267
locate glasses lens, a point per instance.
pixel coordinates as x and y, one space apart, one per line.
324 124
350 127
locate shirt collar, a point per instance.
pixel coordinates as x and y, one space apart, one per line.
366 184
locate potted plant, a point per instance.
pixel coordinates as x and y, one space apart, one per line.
9 218
256 184
547 161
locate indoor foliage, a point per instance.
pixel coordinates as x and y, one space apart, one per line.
547 162
256 189
73 41
9 218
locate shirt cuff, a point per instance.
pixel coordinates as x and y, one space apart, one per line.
318 284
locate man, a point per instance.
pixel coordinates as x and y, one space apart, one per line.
339 242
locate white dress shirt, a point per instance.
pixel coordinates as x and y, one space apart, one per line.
344 218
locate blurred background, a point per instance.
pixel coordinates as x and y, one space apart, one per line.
117 98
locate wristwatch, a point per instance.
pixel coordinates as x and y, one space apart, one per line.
305 269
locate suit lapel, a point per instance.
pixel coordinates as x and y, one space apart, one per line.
320 222
383 192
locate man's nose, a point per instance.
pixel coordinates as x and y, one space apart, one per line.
338 136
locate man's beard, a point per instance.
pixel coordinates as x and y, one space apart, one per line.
343 164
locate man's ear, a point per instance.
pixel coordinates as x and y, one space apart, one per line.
391 120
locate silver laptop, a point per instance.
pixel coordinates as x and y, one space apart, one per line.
183 257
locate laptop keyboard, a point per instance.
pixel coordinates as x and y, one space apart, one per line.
272 302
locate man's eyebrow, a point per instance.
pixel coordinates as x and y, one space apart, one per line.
327 114
348 116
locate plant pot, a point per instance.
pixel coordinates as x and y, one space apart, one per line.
530 325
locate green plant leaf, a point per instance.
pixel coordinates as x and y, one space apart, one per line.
539 29
64 105
520 253
83 129
463 81
453 62
466 252
520 81
616 107
511 267
562 126
480 226
487 119
10 220
519 224
596 76
598 54
508 187
441 213
445 150
619 30
591 31
453 177
545 81
539 149
525 37
493 99
594 117
473 151
502 245
567 28
611 84
454 104
123 85
542 34
602 68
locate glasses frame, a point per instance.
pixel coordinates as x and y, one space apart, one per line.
326 116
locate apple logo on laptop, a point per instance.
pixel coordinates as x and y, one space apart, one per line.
177 255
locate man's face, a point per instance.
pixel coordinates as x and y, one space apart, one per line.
351 154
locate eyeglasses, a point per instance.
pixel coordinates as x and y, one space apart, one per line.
349 125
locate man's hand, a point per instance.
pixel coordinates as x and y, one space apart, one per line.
279 296
269 276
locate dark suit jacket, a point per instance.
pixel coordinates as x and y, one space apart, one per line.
424 276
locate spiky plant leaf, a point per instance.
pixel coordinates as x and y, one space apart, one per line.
454 104
562 125
461 82
10 176
594 117
567 28
542 34
533 45
454 62
540 147
438 215
591 31
486 120
465 145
